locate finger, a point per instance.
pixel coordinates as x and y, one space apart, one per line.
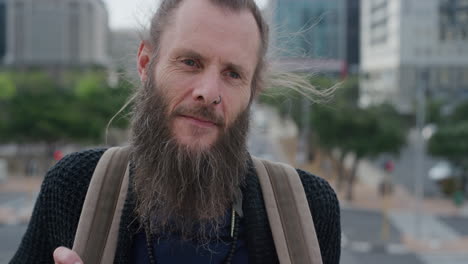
63 255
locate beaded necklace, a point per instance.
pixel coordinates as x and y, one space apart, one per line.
234 235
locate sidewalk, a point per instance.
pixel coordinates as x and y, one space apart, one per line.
21 184
18 197
436 237
401 204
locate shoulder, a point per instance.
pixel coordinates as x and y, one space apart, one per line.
325 210
321 196
58 206
74 171
317 186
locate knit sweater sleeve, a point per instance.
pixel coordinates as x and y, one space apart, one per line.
325 210
58 208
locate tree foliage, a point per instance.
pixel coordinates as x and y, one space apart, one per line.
7 87
342 124
450 141
42 109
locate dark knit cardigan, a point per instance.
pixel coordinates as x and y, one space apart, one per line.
58 207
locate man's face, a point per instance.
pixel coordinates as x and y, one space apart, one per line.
206 53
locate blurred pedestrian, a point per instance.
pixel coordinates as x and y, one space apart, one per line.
386 186
58 155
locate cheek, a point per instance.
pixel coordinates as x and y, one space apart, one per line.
236 104
173 88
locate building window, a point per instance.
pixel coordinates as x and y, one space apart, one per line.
464 77
2 30
453 20
377 5
378 22
444 77
19 28
74 33
316 28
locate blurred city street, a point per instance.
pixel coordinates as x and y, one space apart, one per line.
440 236
435 233
17 197
11 237
371 95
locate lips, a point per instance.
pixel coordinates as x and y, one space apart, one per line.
199 121
199 115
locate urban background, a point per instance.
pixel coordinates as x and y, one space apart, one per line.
392 139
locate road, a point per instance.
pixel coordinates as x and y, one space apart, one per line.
353 257
361 232
404 172
362 241
361 228
10 238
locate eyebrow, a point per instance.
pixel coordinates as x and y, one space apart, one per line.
237 68
198 56
189 53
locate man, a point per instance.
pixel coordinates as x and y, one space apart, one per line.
201 67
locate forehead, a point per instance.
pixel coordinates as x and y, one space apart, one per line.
214 31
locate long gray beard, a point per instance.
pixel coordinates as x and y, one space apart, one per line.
181 190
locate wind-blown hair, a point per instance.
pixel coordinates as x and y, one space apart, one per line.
265 73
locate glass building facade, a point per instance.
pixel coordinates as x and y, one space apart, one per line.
2 29
310 28
453 22
353 34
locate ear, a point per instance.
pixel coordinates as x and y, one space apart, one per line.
143 59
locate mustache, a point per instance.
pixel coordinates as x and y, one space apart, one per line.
202 112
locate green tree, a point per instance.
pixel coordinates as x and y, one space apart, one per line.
43 110
375 130
364 132
342 124
460 113
434 111
7 87
7 91
450 141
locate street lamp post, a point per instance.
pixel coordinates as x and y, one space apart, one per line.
420 150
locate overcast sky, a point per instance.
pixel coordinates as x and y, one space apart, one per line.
135 13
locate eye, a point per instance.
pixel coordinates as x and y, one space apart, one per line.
234 75
189 62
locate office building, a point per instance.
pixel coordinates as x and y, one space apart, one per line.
353 35
310 34
2 30
56 33
409 43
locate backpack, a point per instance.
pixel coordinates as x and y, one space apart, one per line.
286 204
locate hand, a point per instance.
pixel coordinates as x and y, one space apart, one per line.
63 255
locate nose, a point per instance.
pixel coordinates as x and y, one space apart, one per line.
208 91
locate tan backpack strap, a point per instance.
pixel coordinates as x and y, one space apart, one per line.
111 245
288 213
100 205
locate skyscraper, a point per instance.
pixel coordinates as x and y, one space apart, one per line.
2 30
320 22
56 33
404 40
353 35
311 31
